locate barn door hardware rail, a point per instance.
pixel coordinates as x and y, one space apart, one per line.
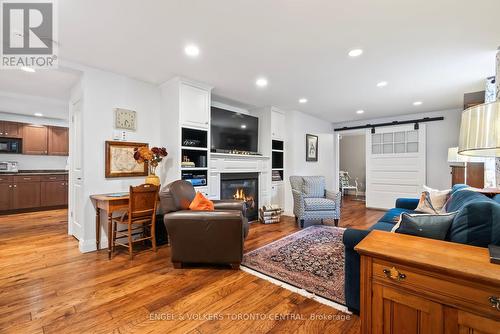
376 125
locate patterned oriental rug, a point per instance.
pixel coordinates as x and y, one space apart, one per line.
311 259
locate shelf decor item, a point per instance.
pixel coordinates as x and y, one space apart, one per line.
152 157
120 162
311 147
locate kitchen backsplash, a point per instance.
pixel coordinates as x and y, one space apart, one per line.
36 161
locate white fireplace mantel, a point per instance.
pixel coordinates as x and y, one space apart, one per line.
239 163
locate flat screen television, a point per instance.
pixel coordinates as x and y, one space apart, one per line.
234 131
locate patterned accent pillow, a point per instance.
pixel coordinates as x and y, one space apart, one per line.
432 200
314 186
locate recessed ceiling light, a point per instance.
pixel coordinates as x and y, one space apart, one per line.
355 53
360 111
382 84
28 69
261 82
417 103
192 50
303 100
38 114
243 126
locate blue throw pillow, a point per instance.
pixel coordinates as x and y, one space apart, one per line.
432 226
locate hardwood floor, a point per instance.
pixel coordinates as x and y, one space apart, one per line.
48 286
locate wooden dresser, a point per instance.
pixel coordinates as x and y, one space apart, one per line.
417 285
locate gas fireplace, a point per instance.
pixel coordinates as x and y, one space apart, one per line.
242 186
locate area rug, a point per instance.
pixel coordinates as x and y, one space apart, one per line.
311 259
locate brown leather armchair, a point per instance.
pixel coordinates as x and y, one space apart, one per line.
202 236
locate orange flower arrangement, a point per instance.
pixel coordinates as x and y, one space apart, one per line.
151 156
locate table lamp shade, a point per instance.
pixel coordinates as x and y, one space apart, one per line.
480 131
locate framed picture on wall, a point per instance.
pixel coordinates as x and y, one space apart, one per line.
120 160
311 147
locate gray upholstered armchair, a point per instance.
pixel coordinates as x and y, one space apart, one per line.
311 201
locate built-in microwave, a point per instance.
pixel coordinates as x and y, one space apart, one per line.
10 145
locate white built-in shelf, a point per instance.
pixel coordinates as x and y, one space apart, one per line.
194 148
194 168
281 151
277 168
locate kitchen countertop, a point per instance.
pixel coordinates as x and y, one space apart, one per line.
39 172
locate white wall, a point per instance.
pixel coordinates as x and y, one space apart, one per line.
440 136
299 124
102 91
34 161
353 159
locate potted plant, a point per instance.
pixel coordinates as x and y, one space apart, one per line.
152 157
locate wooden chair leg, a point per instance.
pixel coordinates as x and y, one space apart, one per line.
113 238
177 265
130 240
153 236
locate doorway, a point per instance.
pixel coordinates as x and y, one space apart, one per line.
352 165
395 159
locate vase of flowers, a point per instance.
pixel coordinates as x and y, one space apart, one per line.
152 157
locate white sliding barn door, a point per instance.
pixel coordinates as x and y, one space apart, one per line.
395 164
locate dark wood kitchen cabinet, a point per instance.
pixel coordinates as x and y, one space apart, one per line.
58 143
35 139
54 190
10 129
5 192
38 139
26 192
31 192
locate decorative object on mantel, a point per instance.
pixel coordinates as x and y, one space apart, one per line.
311 147
152 157
125 119
120 162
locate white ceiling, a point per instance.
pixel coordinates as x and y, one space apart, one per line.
433 51
43 83
45 91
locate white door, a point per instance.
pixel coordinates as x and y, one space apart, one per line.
395 164
76 172
194 106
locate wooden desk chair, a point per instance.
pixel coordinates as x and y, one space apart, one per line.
141 213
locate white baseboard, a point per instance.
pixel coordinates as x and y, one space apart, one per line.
87 246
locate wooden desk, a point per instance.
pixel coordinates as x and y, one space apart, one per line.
109 204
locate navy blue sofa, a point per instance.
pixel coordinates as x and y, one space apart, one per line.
477 223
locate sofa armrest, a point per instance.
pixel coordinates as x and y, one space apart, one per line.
352 237
407 203
205 236
229 204
352 272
